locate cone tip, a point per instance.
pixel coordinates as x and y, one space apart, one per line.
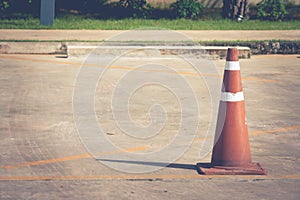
232 54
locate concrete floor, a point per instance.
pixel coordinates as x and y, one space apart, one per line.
50 145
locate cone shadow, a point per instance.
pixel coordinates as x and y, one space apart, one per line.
159 164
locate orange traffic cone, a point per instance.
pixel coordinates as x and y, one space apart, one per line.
231 152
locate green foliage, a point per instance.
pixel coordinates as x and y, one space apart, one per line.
4 5
188 9
271 10
19 8
15 8
136 8
121 9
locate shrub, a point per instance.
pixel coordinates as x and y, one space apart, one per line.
271 10
136 8
189 9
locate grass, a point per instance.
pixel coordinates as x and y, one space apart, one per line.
79 22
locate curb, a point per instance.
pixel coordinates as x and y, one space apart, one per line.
214 49
32 48
211 52
80 49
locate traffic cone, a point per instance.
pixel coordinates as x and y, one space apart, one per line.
231 152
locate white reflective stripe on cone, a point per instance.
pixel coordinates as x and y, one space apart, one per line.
232 65
232 97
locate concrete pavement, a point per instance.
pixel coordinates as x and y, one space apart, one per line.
151 35
43 155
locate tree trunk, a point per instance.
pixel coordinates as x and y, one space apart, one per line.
233 9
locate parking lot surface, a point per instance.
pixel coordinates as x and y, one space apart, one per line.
47 149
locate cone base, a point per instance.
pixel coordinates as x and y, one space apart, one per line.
252 169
